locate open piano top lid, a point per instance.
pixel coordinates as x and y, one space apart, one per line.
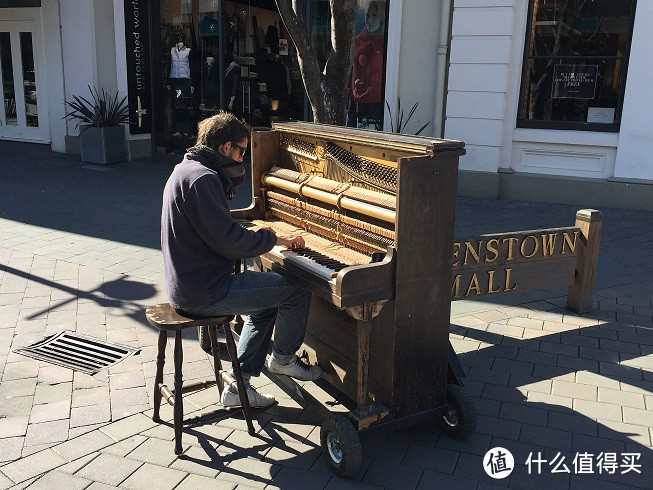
419 145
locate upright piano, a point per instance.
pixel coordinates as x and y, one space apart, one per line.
376 211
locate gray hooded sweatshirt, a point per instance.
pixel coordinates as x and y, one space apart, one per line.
199 238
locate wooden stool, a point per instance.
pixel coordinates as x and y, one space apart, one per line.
165 317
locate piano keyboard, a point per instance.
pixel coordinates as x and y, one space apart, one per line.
326 248
319 264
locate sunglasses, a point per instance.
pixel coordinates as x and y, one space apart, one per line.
242 149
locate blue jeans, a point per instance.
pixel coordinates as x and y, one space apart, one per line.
268 299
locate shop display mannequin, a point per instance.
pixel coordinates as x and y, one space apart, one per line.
210 83
275 74
232 82
181 70
180 83
272 39
367 72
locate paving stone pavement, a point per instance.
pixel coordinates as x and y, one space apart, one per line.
79 250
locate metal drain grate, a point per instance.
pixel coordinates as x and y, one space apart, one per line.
78 352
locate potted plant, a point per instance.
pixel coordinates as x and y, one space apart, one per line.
102 134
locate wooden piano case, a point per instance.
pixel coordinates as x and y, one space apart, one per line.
403 340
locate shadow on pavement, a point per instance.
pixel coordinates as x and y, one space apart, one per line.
119 202
119 293
526 426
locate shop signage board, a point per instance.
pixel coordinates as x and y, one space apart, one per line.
283 47
603 115
574 81
137 35
513 261
528 260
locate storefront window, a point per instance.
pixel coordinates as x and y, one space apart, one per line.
575 63
366 84
253 72
262 79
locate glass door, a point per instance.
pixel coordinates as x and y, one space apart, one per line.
24 115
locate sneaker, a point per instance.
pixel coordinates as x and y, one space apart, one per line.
230 399
296 368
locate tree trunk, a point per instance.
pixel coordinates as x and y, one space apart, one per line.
326 89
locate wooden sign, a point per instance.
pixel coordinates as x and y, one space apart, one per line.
508 262
527 260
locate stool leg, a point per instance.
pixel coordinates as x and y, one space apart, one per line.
235 366
158 379
215 350
179 404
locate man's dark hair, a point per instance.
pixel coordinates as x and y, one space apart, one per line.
221 128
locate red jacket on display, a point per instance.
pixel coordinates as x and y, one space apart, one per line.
367 73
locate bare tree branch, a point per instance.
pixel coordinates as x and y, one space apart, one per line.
326 90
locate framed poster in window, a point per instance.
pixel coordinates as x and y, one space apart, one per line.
571 81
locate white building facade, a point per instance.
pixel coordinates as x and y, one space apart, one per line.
470 64
73 46
572 159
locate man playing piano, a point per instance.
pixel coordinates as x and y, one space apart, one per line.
200 242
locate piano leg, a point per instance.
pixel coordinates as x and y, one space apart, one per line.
365 414
364 329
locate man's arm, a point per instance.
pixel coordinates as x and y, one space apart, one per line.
205 206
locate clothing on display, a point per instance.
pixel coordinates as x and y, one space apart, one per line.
367 73
366 88
272 39
180 62
231 86
181 86
275 74
210 83
209 26
216 58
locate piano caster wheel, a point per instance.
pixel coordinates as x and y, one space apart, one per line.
205 340
341 446
459 421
